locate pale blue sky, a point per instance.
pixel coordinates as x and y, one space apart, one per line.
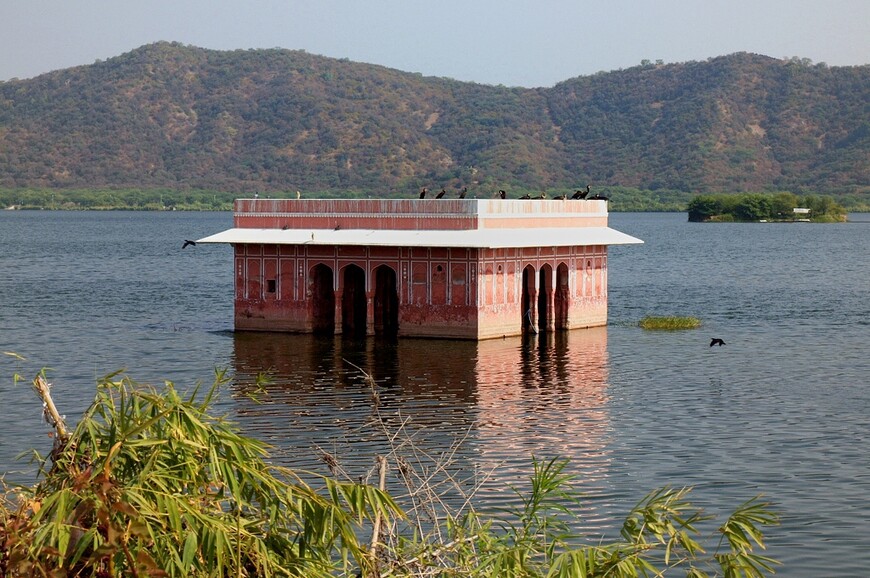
511 42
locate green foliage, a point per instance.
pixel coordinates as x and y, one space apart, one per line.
669 323
752 207
123 199
660 536
174 117
150 484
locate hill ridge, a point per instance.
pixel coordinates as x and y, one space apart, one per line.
181 117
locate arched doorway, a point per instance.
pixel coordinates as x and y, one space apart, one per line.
562 297
528 299
353 301
322 300
545 289
386 302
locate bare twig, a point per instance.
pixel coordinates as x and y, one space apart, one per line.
376 529
52 416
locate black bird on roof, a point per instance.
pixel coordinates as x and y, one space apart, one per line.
580 194
188 242
441 194
502 194
526 196
716 341
423 192
463 192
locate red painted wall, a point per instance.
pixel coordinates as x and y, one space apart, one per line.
459 293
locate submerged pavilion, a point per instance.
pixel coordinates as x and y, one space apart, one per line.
454 268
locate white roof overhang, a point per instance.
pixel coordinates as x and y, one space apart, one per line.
495 238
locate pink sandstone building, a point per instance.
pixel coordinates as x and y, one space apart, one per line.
457 268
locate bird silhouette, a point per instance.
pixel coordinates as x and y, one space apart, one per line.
502 194
188 242
716 341
560 197
526 196
423 192
463 192
441 194
581 194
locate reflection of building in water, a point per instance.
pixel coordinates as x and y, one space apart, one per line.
487 404
555 405
459 268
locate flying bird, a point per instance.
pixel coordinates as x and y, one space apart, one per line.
188 242
716 341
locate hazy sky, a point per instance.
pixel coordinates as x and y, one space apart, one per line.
511 42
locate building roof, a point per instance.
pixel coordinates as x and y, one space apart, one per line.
469 238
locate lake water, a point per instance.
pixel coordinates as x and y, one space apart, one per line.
783 409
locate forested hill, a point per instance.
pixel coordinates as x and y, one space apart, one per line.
179 117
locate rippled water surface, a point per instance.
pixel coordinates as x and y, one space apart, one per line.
781 409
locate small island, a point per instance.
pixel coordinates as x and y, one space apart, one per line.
765 208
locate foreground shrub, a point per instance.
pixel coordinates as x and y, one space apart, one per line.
150 484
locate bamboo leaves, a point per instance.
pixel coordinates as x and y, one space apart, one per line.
149 483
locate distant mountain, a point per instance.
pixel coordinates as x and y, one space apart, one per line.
179 117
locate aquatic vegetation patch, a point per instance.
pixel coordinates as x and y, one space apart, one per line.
669 323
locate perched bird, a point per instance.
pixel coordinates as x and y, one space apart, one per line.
298 195
581 194
188 242
463 192
502 194
716 341
526 196
560 197
441 194
423 192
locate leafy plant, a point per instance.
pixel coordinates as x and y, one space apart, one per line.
149 484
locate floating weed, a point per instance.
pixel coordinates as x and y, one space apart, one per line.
669 323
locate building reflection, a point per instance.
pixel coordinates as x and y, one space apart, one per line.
490 405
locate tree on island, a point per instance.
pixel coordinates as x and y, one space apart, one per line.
754 207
